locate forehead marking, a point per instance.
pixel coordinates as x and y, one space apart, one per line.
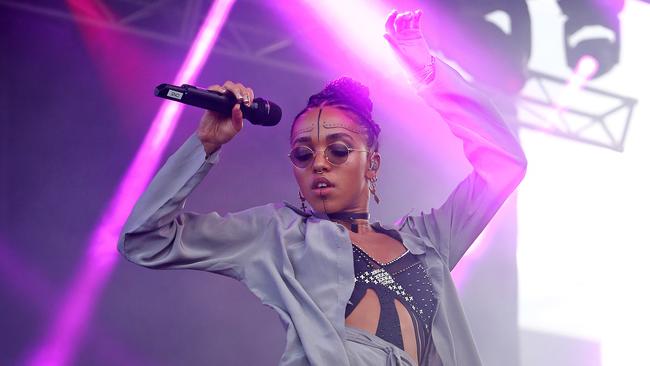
304 129
348 126
320 111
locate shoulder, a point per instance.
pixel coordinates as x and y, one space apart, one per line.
278 210
282 214
416 231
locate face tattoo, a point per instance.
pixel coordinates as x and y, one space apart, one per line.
347 126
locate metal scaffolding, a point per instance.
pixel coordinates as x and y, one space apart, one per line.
264 43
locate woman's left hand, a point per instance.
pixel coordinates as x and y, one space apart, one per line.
404 35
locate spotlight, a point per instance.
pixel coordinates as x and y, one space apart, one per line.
592 29
586 68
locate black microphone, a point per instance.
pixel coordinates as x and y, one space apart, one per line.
261 112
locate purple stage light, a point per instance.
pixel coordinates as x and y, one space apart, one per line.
359 25
37 293
62 338
21 277
587 67
344 35
92 9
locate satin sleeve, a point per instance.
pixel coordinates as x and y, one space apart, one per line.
160 234
497 160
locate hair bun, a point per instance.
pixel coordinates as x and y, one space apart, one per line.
345 91
350 95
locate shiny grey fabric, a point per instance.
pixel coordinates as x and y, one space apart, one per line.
367 349
301 264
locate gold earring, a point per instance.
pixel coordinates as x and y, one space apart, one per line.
373 188
302 201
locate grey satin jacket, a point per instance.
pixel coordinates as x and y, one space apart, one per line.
301 264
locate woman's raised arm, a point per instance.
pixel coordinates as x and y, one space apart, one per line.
498 161
158 234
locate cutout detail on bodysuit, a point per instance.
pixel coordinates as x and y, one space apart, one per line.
402 280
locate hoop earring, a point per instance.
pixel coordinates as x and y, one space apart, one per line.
302 201
373 188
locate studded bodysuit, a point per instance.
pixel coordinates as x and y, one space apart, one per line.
403 279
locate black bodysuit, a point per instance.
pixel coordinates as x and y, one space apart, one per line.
403 279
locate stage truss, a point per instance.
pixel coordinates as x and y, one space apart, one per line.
592 116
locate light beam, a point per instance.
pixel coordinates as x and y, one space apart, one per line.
62 338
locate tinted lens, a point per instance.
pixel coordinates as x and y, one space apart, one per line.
301 156
337 153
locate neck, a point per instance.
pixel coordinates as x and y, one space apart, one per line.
356 226
354 221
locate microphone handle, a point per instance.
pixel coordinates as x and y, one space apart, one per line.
202 98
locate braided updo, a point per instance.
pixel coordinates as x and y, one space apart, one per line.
349 95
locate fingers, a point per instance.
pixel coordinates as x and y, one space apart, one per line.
251 96
237 118
217 88
416 19
390 23
403 21
243 94
398 22
405 38
235 89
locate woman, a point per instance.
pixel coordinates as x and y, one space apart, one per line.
348 292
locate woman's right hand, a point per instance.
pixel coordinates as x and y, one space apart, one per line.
216 129
405 37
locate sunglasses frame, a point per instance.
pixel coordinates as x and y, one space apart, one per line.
311 161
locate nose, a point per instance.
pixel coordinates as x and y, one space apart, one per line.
320 161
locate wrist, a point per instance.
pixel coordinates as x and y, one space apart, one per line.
211 149
425 74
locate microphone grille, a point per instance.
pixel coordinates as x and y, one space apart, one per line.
265 113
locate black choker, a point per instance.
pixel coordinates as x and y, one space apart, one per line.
349 216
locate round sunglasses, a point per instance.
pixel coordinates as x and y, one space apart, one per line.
336 153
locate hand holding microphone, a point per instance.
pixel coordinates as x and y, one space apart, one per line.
217 128
226 107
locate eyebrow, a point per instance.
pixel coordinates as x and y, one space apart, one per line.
332 137
339 136
304 139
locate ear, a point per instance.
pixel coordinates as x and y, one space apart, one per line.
374 162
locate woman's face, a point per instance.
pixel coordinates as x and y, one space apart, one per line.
346 185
